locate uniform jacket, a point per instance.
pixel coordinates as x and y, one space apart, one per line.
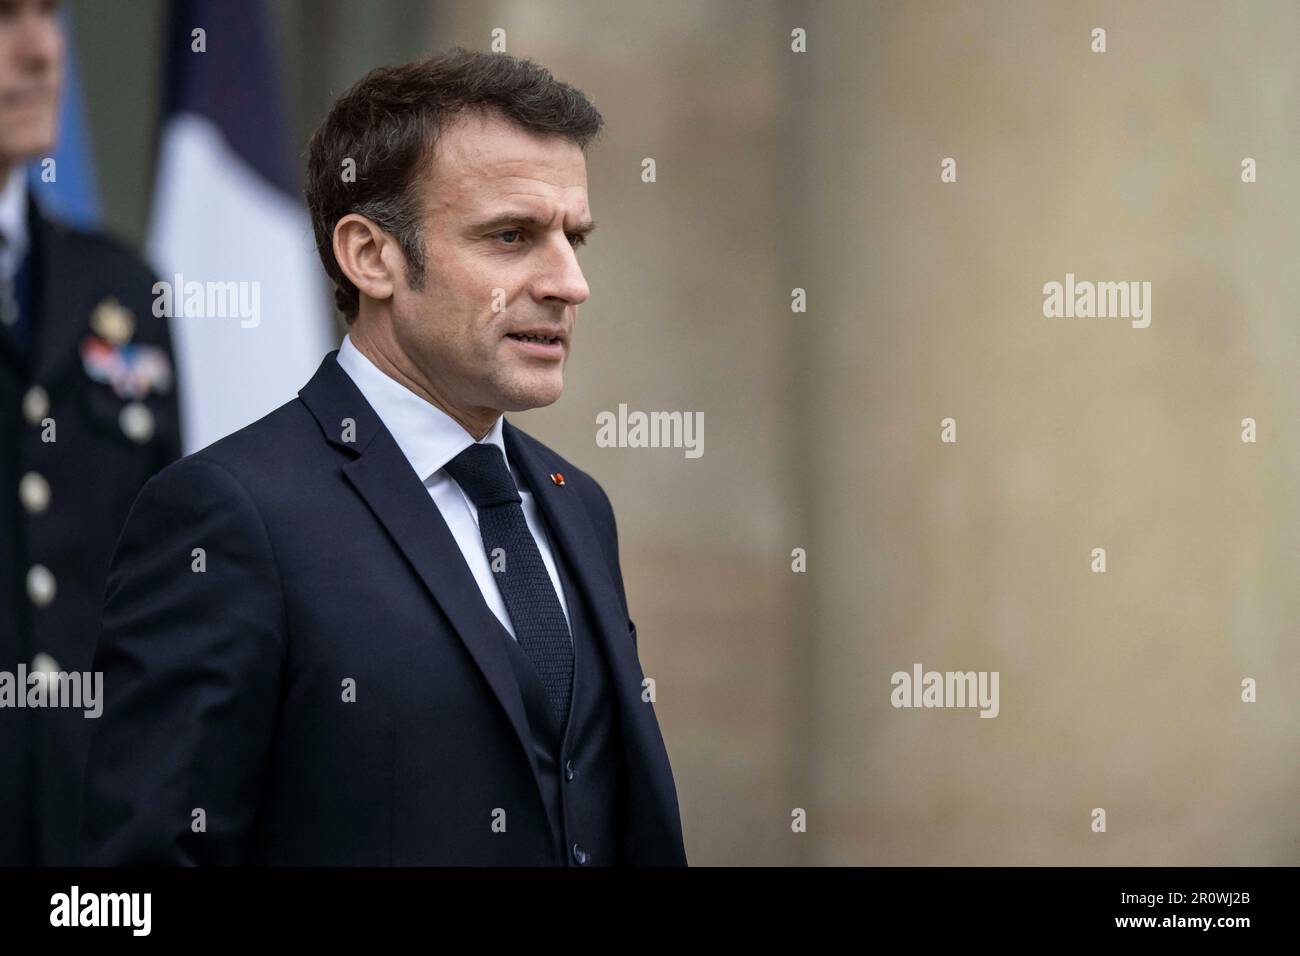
65 502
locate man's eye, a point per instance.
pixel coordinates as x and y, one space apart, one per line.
575 238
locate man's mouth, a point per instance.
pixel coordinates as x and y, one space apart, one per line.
539 339
538 345
27 96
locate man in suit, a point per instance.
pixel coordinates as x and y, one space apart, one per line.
87 414
382 625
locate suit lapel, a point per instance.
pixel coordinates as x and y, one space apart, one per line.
647 758
383 477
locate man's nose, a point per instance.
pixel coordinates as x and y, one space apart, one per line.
561 277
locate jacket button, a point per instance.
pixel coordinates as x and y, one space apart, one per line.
580 856
36 404
568 770
34 492
40 585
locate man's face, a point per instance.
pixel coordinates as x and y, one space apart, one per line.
504 210
31 68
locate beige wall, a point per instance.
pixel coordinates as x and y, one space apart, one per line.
1119 690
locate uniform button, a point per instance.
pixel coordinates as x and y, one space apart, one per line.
44 664
40 585
34 492
137 422
568 770
580 856
36 405
43 667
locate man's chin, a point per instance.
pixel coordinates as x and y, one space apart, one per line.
26 137
537 396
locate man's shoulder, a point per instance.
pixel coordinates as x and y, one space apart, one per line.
93 268
286 449
595 502
588 488
274 450
558 464
98 251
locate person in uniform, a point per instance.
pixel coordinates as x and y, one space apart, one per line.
88 412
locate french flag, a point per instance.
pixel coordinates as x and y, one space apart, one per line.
227 214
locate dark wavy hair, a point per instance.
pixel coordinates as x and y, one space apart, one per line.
389 122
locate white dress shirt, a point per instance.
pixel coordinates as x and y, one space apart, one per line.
13 222
429 438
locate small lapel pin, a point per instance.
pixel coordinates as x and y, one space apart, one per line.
557 478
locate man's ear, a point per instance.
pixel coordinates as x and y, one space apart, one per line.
365 253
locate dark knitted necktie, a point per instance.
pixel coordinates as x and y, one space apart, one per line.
530 597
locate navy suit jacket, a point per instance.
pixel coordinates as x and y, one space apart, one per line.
228 734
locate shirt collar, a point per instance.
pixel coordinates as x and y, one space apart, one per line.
13 219
427 436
